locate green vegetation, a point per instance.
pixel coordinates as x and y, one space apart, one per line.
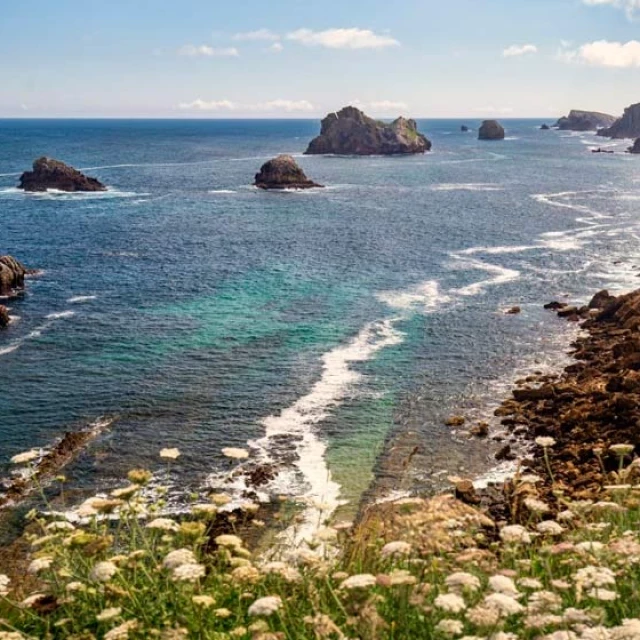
562 575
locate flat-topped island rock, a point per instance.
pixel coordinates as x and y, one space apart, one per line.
283 172
48 173
578 120
351 132
491 130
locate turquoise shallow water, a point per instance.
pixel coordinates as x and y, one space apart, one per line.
204 313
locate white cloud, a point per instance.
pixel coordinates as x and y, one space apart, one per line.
204 50
276 47
289 106
519 50
603 53
260 34
388 105
629 6
353 38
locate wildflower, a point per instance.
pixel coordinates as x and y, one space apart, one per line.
247 574
205 509
550 528
220 499
605 595
229 540
594 577
566 516
236 454
76 586
484 617
203 601
592 546
536 506
40 564
4 584
607 507
461 580
397 548
27 456
178 557
545 442
451 602
530 583
576 616
628 630
11 635
170 454
126 492
505 604
108 614
360 581
32 599
539 621
60 525
103 571
265 606
596 633
544 601
238 632
139 476
165 524
105 506
401 576
450 627
503 584
326 534
190 572
515 534
121 632
560 635
222 613
192 529
621 449
561 585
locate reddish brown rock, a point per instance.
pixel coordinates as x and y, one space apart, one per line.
53 174
4 317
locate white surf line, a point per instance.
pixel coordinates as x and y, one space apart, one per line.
37 332
79 299
322 495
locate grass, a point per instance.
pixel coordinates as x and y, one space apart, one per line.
414 569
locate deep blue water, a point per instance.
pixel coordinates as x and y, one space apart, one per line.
204 313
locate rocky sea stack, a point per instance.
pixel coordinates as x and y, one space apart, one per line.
351 132
4 317
12 274
626 127
283 172
585 121
545 127
491 130
636 146
53 174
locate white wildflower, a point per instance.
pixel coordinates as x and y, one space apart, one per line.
515 534
530 583
396 548
40 564
594 577
178 557
229 540
591 546
621 449
450 627
108 614
164 524
536 506
265 606
60 525
545 442
359 581
605 595
543 602
503 584
203 601
190 572
596 633
451 602
4 584
461 580
121 632
103 571
628 630
505 604
550 528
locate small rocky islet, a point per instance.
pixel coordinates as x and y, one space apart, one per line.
351 132
579 120
283 172
48 173
12 276
491 130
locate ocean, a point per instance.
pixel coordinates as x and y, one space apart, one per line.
188 309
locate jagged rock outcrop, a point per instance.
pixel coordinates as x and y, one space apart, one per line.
635 148
283 172
12 275
545 127
53 174
491 130
464 128
351 132
626 127
585 121
4 317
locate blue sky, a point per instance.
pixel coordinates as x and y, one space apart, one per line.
295 58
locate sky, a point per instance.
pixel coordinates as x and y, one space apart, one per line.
303 59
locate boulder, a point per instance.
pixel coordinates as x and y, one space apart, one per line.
635 148
351 132
585 121
491 130
12 275
555 305
601 300
4 317
514 311
455 421
626 127
53 174
283 172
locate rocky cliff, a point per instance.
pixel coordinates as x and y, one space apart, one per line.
53 174
351 132
626 127
283 172
585 121
491 130
12 275
636 146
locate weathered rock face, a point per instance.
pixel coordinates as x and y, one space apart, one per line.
491 130
4 317
626 127
12 275
585 121
283 172
53 174
351 132
636 146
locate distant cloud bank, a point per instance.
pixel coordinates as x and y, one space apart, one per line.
603 53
